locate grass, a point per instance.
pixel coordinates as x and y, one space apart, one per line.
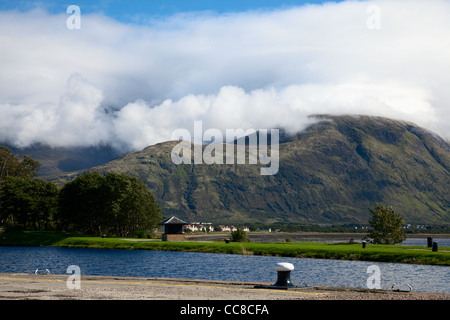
346 251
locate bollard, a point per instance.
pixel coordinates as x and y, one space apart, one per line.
284 277
363 244
435 247
429 242
284 274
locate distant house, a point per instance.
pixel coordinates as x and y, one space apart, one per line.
223 228
190 227
200 227
208 227
230 228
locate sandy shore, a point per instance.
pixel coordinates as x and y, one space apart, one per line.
54 287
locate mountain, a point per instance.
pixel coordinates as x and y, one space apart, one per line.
328 174
55 161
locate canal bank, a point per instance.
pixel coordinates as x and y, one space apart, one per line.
22 286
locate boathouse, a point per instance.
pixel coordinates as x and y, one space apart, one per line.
173 229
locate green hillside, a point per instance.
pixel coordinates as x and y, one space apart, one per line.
329 173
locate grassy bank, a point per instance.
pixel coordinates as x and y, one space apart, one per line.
382 253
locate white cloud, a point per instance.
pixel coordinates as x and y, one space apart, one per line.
132 85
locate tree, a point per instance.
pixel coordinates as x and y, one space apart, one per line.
107 204
81 205
386 226
8 162
10 165
133 206
28 203
25 201
28 168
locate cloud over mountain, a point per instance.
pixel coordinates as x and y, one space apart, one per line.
132 85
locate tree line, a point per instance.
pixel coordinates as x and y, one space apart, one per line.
93 203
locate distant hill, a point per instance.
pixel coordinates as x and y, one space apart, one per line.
328 174
59 160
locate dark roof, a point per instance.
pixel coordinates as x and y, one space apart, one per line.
173 220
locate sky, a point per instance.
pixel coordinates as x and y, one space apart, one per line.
138 11
128 73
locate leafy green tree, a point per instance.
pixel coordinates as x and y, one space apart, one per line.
80 205
8 162
10 165
107 204
132 206
28 168
28 203
386 226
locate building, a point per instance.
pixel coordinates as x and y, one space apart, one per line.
173 229
200 227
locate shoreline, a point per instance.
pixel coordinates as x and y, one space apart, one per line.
213 243
21 286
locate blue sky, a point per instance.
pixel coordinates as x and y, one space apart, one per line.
134 10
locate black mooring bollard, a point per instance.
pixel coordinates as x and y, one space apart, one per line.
284 277
429 242
435 247
284 274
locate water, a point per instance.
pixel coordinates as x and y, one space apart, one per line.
210 266
442 242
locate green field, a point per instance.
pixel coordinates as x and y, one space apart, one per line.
346 251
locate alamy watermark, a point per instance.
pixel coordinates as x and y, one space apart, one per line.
213 153
374 280
73 22
373 22
74 280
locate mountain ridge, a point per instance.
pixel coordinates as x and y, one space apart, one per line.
330 173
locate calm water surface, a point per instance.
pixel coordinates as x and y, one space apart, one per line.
192 265
442 242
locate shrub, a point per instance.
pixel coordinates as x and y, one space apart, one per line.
239 236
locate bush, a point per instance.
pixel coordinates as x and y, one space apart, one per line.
239 236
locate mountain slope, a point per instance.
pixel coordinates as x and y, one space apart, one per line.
58 160
329 173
